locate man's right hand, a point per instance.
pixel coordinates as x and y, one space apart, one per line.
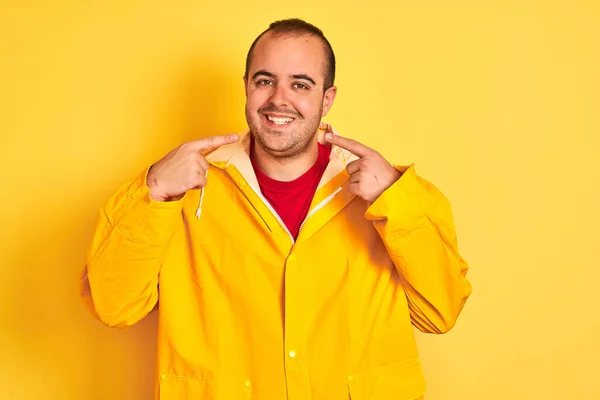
183 169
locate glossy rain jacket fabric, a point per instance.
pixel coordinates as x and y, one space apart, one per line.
246 312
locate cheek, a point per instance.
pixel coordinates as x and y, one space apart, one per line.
256 99
308 106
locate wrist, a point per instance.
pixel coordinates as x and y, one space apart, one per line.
153 186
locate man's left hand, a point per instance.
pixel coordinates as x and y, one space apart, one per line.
371 174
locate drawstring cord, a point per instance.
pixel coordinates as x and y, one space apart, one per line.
199 210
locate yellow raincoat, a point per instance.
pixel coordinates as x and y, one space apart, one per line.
246 312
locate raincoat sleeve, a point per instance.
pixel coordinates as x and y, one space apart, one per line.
415 222
119 282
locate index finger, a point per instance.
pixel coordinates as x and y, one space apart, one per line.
351 145
213 142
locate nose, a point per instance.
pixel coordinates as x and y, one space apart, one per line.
279 96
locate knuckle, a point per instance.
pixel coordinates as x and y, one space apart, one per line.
192 158
200 181
185 146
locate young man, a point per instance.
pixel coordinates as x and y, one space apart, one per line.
290 262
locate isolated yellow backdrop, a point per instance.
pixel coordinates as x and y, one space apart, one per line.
496 102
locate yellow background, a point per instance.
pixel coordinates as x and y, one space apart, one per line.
496 102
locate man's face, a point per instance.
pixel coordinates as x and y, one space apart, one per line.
284 93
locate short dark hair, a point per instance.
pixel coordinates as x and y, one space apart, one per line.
295 26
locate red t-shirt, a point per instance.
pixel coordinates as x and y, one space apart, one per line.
291 200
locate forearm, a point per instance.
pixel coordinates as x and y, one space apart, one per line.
415 222
120 280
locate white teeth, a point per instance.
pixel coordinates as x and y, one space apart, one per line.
280 121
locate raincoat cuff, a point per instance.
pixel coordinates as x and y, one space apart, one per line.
406 203
142 219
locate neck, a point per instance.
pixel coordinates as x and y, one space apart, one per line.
286 168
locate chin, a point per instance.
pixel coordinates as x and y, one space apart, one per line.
275 146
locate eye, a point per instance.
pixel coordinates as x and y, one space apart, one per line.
300 86
264 82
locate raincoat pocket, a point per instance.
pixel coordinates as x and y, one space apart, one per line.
399 381
176 387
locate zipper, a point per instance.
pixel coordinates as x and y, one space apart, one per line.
320 205
277 217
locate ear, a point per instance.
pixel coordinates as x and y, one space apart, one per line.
328 98
246 86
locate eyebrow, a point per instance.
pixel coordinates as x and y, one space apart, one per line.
271 75
263 72
304 77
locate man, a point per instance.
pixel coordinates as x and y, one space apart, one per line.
290 262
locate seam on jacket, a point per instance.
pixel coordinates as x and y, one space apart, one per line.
447 243
396 234
410 360
380 367
104 243
429 221
196 378
118 228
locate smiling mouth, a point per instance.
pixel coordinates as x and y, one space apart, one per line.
279 121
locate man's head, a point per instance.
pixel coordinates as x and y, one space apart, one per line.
290 71
298 27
